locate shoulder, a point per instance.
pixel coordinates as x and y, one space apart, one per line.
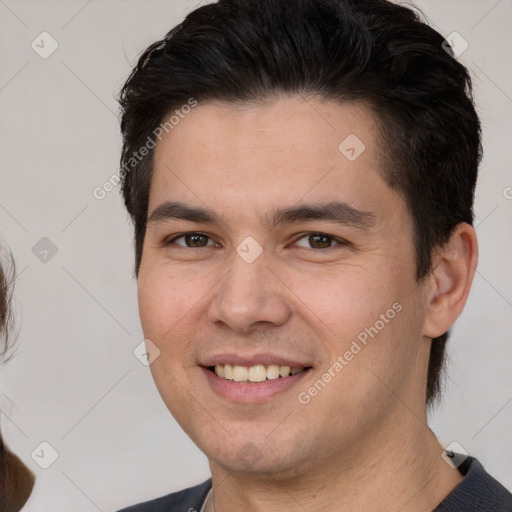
478 492
187 500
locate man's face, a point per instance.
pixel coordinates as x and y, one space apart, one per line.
301 257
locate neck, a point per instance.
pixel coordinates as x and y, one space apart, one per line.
385 473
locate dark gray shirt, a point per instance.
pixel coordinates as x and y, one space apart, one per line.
478 492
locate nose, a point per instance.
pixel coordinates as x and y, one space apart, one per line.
250 296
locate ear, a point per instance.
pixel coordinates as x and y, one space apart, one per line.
453 268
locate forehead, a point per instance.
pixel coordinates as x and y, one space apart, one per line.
278 150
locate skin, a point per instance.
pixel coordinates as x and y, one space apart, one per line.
362 443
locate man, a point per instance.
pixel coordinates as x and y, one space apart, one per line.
300 174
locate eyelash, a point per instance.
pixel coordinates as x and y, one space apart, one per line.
336 240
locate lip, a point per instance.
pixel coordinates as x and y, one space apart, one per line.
253 360
252 393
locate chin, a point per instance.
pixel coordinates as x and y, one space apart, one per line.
258 457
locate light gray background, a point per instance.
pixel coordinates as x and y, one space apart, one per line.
75 382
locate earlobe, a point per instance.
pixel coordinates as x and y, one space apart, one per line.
453 269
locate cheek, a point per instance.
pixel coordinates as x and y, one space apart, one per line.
173 311
343 302
164 300
167 307
369 320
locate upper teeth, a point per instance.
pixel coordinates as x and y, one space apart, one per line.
257 373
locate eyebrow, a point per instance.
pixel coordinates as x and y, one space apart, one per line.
180 211
334 211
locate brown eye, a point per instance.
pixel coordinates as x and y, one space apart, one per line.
318 241
192 240
196 240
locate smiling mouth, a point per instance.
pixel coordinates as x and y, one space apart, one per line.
254 374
